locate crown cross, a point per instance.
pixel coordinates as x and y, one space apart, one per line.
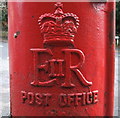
58 7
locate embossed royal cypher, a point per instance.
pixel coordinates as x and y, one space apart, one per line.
58 29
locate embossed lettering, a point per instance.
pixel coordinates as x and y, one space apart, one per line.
24 96
95 96
78 98
38 97
70 99
74 68
31 97
75 99
83 98
52 65
89 98
60 62
47 97
41 67
62 100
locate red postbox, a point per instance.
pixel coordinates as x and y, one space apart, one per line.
61 58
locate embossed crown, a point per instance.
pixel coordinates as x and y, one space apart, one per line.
58 26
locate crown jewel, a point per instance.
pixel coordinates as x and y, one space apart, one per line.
58 26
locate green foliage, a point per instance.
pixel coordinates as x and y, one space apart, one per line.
3 15
3 20
118 18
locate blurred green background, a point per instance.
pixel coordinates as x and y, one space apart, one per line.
3 20
4 17
118 18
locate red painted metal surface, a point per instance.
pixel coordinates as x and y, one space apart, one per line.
61 58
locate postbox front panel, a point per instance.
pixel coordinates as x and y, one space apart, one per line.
59 58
